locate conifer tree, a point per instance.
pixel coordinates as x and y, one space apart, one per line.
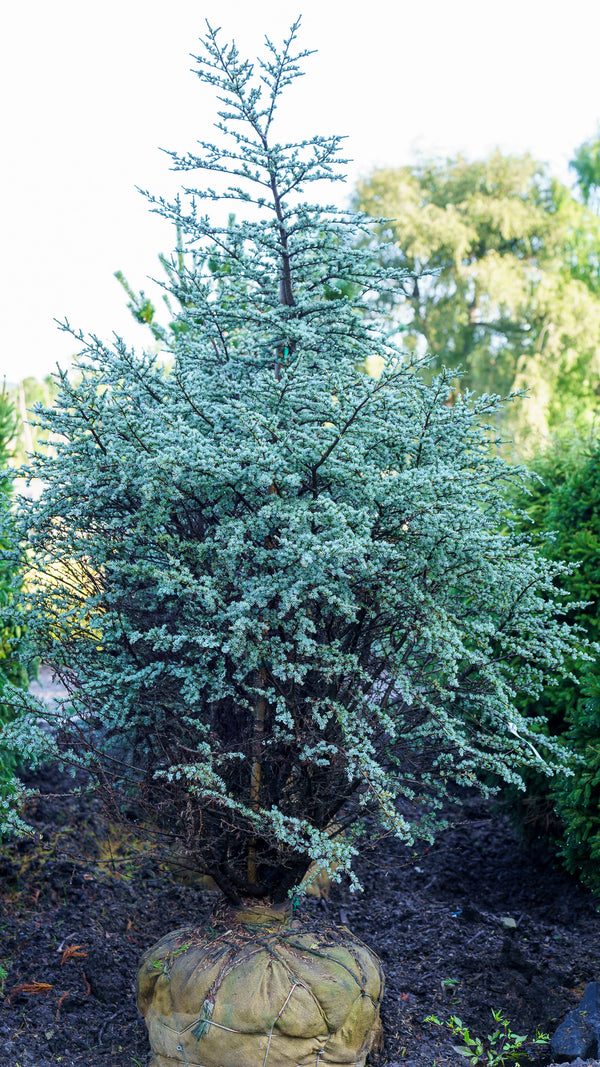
276 587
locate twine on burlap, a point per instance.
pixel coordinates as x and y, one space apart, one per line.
192 955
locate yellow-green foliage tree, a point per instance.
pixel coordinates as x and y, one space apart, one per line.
586 165
504 263
29 435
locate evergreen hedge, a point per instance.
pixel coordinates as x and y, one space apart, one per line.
562 508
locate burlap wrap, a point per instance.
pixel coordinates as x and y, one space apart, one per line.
259 989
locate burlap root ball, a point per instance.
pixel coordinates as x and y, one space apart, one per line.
256 988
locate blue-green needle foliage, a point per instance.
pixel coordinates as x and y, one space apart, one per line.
277 587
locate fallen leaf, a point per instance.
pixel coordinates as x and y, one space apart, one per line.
60 1003
29 987
73 952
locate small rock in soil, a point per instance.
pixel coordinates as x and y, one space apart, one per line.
579 1034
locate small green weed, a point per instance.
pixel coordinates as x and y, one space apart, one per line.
494 1049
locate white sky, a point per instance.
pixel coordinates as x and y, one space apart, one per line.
91 91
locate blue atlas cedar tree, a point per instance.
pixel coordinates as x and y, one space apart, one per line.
275 586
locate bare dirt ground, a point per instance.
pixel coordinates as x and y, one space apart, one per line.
72 931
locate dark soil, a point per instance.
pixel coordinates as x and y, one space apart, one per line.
72 933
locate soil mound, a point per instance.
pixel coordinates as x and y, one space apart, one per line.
476 922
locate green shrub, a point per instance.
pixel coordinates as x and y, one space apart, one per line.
563 510
11 670
563 504
578 798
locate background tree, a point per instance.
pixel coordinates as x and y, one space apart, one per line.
504 264
24 396
586 164
275 587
